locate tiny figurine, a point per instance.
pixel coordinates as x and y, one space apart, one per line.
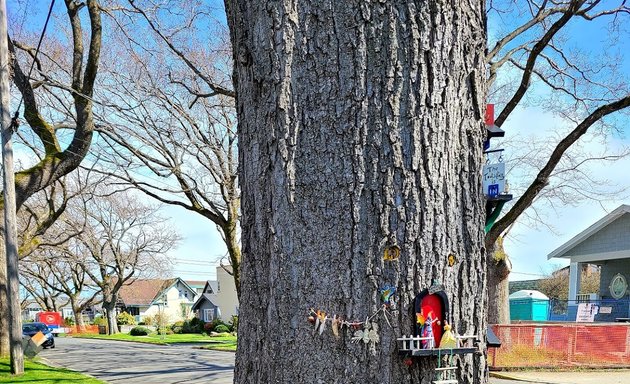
386 294
448 339
427 331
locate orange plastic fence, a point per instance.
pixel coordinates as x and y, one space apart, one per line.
561 345
88 329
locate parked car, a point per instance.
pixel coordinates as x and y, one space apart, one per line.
30 329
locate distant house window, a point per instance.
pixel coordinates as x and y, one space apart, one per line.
135 311
208 315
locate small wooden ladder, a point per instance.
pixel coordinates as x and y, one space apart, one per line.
445 370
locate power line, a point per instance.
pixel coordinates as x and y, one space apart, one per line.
528 274
39 43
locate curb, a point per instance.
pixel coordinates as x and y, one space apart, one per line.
45 361
516 378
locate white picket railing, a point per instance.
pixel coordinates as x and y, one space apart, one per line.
413 343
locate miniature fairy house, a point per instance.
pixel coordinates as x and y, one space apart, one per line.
432 312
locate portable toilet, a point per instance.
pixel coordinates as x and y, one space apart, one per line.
529 305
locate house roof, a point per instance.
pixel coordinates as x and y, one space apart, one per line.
204 297
528 293
146 291
214 285
143 291
196 283
563 250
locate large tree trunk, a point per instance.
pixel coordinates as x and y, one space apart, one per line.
498 292
109 306
360 127
76 311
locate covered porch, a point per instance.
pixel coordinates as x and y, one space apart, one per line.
606 243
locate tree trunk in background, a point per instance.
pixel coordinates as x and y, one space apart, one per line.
360 127
499 267
109 306
77 310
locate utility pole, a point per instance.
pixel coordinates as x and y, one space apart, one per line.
10 232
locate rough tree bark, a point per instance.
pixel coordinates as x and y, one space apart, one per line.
360 127
499 268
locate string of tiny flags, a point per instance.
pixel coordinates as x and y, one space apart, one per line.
366 331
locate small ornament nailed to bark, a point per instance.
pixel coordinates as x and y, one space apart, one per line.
452 260
391 253
386 294
369 334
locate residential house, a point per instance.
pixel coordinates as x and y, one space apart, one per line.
197 285
172 298
219 298
606 243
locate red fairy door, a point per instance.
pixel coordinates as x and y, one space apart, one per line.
432 307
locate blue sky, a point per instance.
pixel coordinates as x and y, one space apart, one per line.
202 246
528 247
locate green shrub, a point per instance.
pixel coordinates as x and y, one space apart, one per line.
221 328
139 331
177 324
193 325
69 321
195 322
125 318
100 321
208 327
147 320
177 330
234 322
165 331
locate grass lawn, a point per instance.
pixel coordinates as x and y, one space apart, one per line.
42 374
229 344
223 343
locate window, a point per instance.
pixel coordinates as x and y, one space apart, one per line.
135 311
208 315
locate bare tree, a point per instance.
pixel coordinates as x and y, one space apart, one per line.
62 273
57 161
121 239
556 283
47 298
169 127
582 89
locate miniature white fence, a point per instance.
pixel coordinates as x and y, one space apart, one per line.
413 343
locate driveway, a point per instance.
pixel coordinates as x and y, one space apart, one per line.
118 362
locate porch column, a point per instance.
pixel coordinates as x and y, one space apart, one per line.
574 281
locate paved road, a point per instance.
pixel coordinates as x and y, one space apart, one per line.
126 362
117 362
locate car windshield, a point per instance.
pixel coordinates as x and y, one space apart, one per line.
34 327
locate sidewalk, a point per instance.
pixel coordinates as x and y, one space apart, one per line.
621 376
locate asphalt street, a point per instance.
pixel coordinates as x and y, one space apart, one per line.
117 362
128 362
